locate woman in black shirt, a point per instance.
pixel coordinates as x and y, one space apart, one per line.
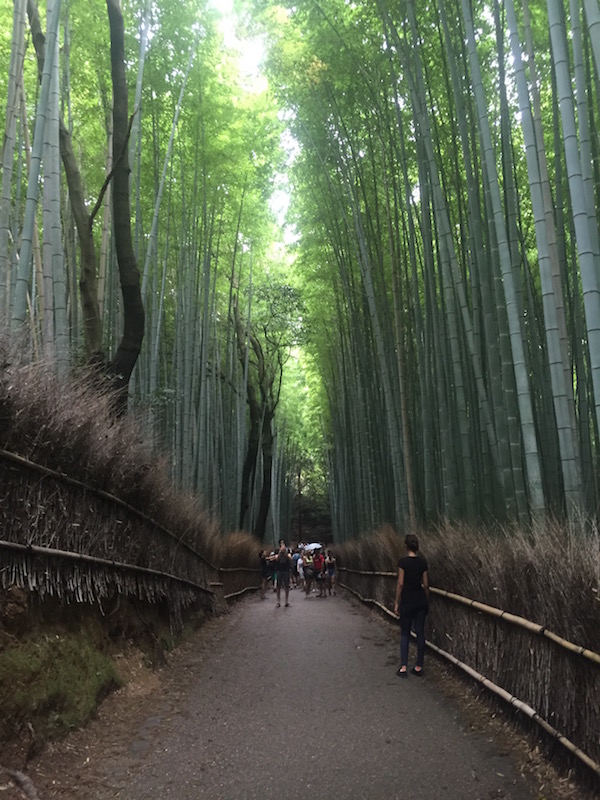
412 597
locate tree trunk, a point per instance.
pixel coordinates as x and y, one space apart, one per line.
129 347
260 526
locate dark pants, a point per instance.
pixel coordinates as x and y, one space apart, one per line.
412 616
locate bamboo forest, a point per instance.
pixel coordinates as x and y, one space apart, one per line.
343 250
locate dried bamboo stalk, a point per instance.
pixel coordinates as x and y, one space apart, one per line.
520 706
368 600
113 565
241 591
368 572
54 580
59 476
238 569
515 619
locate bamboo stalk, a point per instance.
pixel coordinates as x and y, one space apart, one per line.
23 782
495 689
368 600
365 572
515 619
238 569
242 591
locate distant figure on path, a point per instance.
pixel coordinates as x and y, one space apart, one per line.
295 571
412 596
283 566
330 563
300 564
319 562
309 570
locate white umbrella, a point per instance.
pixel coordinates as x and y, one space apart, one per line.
313 546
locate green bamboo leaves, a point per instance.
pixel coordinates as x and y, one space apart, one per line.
463 258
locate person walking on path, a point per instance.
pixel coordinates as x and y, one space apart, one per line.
300 564
319 562
330 563
309 570
412 603
283 566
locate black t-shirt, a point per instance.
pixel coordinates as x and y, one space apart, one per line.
282 563
414 567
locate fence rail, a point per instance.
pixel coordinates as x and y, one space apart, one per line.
493 611
67 480
79 584
117 566
62 537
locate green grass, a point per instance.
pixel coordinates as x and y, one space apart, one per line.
53 681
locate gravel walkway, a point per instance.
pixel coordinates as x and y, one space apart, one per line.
289 703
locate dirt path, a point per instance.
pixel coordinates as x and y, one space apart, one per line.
299 702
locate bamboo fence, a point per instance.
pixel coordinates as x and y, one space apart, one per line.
64 538
237 581
377 588
514 619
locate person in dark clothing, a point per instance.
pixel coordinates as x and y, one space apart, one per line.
412 603
283 567
330 563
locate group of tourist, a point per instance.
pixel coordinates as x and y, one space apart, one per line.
306 567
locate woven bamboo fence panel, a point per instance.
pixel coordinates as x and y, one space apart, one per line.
122 550
239 580
560 680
